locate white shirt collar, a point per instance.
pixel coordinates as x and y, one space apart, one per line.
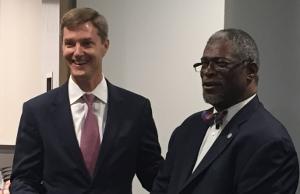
75 92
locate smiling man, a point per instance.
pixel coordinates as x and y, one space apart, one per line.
237 146
87 136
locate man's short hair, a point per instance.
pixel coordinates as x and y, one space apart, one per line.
244 45
78 16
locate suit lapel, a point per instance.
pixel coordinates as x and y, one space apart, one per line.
226 136
112 122
217 148
63 122
191 150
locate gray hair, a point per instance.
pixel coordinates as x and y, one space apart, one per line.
244 45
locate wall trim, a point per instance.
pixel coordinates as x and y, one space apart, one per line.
7 149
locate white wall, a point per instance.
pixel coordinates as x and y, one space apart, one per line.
153 47
28 51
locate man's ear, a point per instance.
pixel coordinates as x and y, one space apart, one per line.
106 45
252 70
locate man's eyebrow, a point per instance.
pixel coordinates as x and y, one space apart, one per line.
86 39
68 39
82 39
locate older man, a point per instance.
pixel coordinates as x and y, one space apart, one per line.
237 146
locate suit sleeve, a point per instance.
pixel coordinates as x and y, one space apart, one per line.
27 164
272 169
161 182
149 156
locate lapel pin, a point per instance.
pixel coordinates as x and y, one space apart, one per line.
229 135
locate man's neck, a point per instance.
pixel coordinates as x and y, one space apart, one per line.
88 85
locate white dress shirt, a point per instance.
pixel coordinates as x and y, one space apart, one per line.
79 107
213 133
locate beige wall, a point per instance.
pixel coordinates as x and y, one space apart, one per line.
29 53
20 62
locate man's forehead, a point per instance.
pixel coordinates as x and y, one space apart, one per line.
84 27
84 31
218 47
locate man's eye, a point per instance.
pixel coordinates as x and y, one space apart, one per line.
221 63
204 63
69 44
87 44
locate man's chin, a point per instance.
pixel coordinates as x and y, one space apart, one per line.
212 99
79 75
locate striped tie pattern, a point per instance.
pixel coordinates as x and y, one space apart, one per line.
90 138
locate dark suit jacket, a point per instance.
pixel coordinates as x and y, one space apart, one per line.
48 157
253 155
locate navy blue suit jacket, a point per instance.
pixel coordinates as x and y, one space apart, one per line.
253 155
48 157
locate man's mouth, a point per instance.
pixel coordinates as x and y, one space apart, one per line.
211 85
81 62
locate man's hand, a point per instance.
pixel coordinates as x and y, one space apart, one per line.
5 188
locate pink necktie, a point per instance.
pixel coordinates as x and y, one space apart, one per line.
90 138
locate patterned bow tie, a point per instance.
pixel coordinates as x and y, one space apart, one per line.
210 118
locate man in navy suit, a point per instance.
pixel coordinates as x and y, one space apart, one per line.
237 146
54 154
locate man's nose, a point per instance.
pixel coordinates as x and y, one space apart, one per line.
78 50
209 70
